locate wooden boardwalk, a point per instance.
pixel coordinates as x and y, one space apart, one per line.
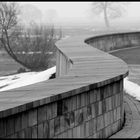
91 68
131 127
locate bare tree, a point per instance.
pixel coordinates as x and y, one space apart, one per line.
32 47
109 10
8 22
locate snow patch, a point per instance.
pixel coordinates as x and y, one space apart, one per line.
24 79
132 88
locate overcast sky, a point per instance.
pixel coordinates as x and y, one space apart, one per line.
64 9
79 9
79 12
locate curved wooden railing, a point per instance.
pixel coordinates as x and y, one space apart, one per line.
82 72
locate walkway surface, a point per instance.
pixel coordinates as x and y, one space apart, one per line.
28 97
131 127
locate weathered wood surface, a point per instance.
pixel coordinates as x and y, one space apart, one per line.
91 68
131 127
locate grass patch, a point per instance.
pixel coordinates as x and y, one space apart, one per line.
130 56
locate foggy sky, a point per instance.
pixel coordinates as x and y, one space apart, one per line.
80 11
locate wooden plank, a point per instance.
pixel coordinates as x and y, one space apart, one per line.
90 68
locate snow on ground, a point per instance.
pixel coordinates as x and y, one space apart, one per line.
24 79
132 88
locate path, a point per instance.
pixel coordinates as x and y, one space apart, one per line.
131 128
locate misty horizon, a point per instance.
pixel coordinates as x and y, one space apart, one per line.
70 13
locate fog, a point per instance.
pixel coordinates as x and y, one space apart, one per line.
80 13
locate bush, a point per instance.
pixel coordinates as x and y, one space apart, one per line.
35 47
32 47
20 70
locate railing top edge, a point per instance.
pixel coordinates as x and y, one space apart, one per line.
78 79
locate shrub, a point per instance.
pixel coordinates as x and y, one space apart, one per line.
20 70
35 47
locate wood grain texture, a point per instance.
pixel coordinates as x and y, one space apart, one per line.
91 68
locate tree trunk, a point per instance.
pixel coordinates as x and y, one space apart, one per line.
10 52
106 18
14 57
